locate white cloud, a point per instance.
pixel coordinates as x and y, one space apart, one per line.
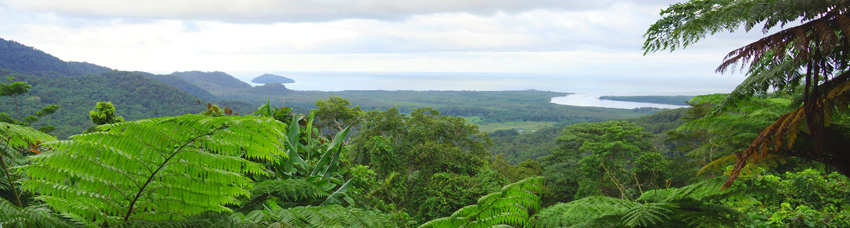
563 37
291 10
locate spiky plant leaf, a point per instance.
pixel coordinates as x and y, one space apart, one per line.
329 158
334 197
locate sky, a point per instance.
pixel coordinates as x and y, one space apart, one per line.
564 37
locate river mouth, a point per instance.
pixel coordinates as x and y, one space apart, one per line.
592 100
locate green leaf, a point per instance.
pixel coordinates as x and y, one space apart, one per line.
328 157
333 198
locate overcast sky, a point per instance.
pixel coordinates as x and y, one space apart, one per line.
571 37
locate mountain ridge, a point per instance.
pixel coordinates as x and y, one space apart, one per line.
20 58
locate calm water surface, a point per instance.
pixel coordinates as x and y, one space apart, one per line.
587 89
592 99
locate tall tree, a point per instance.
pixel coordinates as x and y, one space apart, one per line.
441 161
811 57
104 113
14 90
598 155
334 114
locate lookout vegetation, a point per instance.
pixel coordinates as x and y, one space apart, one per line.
770 154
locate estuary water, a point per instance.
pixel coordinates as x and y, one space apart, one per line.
592 99
587 88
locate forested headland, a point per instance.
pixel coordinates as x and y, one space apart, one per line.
87 146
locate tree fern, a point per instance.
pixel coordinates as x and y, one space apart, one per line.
155 169
510 206
581 211
14 139
202 220
324 216
13 216
810 58
688 206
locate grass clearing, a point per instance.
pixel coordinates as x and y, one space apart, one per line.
526 126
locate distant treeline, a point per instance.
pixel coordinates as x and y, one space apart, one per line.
673 100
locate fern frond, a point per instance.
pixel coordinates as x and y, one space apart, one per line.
325 216
202 220
13 216
770 139
647 215
657 208
581 211
701 214
155 169
21 136
510 206
286 189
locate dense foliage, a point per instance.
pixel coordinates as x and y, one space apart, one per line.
516 147
401 165
436 163
809 59
134 96
185 86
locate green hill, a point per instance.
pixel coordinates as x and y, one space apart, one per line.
179 83
662 121
17 57
271 78
273 89
134 95
212 81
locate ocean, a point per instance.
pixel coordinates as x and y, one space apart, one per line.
587 87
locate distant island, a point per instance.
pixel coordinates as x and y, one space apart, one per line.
271 78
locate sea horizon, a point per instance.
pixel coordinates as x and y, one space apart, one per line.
616 85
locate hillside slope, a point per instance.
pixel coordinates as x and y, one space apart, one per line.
179 83
17 57
135 97
212 81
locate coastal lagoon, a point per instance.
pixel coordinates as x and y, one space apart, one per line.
587 88
592 99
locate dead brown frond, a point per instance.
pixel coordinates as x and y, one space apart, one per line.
818 34
785 130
